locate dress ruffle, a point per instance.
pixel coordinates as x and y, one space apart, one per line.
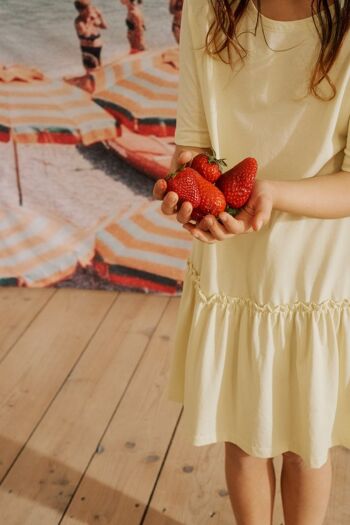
269 378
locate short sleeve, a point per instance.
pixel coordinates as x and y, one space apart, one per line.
346 161
191 125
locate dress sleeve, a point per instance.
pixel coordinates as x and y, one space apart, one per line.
191 125
346 161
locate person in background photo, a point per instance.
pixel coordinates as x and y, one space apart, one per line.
88 24
175 8
136 26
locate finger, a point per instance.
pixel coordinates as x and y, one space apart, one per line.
262 214
169 204
249 210
209 223
184 213
261 218
198 234
234 225
159 189
184 157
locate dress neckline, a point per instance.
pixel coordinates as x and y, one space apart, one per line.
283 25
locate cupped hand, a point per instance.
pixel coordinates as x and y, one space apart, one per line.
254 215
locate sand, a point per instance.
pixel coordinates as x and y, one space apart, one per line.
80 185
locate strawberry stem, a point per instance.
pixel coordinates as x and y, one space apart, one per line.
173 174
232 211
212 159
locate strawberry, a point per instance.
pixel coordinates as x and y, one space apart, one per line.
208 166
237 183
183 181
212 200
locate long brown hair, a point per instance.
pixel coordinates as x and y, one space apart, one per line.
222 34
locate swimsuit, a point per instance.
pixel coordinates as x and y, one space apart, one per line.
94 51
130 25
91 37
135 33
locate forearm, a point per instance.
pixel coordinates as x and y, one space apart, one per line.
103 24
323 197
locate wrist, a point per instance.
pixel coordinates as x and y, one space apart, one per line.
268 189
273 188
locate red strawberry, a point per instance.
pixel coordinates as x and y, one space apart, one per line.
183 181
208 166
237 183
212 200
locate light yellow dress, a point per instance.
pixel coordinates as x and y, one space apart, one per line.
262 347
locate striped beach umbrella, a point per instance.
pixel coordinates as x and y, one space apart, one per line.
140 90
44 111
39 250
147 240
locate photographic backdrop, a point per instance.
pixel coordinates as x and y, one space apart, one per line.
82 143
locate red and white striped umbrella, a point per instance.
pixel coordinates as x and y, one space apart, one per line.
44 111
146 239
140 90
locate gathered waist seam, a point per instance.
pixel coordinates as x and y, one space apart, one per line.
231 301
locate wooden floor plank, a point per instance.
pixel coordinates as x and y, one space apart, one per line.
43 479
191 489
338 512
119 481
38 364
18 308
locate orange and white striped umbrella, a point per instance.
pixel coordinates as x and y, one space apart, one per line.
140 90
40 250
45 111
146 239
51 111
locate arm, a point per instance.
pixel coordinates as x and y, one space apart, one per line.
172 7
80 28
102 22
322 197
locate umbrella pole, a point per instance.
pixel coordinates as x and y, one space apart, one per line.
17 173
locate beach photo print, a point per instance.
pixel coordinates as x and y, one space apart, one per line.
88 94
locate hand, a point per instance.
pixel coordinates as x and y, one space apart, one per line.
254 215
169 205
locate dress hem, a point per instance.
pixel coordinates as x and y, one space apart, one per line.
260 452
199 440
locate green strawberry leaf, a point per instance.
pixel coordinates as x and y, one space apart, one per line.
173 174
232 211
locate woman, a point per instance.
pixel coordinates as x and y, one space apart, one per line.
175 8
88 24
135 26
262 352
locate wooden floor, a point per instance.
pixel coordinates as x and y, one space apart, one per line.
87 435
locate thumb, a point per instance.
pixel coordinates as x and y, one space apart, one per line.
184 157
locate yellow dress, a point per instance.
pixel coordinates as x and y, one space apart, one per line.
262 346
